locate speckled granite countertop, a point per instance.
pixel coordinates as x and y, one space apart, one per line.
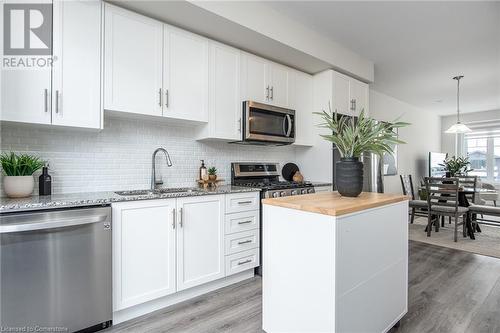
8 205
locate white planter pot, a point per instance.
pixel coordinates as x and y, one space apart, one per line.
18 186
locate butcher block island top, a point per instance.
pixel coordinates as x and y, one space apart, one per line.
332 203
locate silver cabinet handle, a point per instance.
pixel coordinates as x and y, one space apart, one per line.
353 104
166 98
180 218
159 97
267 92
239 125
244 202
245 222
57 101
272 93
244 262
245 242
173 218
46 92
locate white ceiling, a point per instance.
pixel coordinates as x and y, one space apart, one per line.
417 47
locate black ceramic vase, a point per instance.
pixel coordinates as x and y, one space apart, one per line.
349 176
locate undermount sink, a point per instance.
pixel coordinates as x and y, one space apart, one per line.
158 191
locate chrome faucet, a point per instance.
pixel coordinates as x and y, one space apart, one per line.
153 167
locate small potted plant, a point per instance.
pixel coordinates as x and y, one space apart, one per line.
456 166
18 181
352 137
212 173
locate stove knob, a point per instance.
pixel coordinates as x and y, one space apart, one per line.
275 194
303 192
310 190
293 192
282 194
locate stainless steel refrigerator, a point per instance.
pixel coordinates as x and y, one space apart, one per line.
373 171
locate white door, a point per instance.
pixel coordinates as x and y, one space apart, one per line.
279 94
143 251
359 93
76 80
185 76
200 240
303 106
255 82
341 94
224 92
132 62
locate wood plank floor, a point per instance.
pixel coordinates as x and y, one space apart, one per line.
449 291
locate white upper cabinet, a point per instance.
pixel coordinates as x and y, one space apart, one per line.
224 103
144 250
255 79
76 80
302 103
26 96
280 85
346 95
341 101
69 93
133 62
200 240
359 96
265 81
185 75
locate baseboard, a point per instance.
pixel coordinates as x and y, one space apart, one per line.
160 303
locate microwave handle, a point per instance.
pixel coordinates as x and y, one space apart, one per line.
287 130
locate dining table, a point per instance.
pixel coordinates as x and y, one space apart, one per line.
463 201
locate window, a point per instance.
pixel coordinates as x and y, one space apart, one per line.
483 148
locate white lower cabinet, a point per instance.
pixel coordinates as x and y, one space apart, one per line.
200 240
165 246
143 251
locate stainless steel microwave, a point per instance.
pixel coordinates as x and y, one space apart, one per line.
267 124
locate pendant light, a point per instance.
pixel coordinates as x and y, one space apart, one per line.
458 128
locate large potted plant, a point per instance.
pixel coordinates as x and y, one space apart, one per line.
352 137
456 166
18 181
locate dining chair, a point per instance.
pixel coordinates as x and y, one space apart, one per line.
489 196
414 204
443 200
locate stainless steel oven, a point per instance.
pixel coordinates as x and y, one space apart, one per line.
267 124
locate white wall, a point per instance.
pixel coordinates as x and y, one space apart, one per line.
119 157
448 140
422 136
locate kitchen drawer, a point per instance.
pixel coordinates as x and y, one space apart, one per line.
242 261
243 221
242 202
241 241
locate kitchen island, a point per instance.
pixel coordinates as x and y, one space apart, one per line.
334 264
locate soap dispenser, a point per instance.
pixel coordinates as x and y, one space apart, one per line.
203 171
45 182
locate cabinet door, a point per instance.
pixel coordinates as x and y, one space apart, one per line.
200 240
280 85
143 251
341 94
303 106
76 80
255 83
132 62
359 93
224 92
185 75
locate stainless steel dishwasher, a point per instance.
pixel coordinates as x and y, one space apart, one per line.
56 270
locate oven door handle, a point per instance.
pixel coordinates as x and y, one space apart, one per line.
287 129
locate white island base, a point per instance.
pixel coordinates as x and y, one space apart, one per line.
343 273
